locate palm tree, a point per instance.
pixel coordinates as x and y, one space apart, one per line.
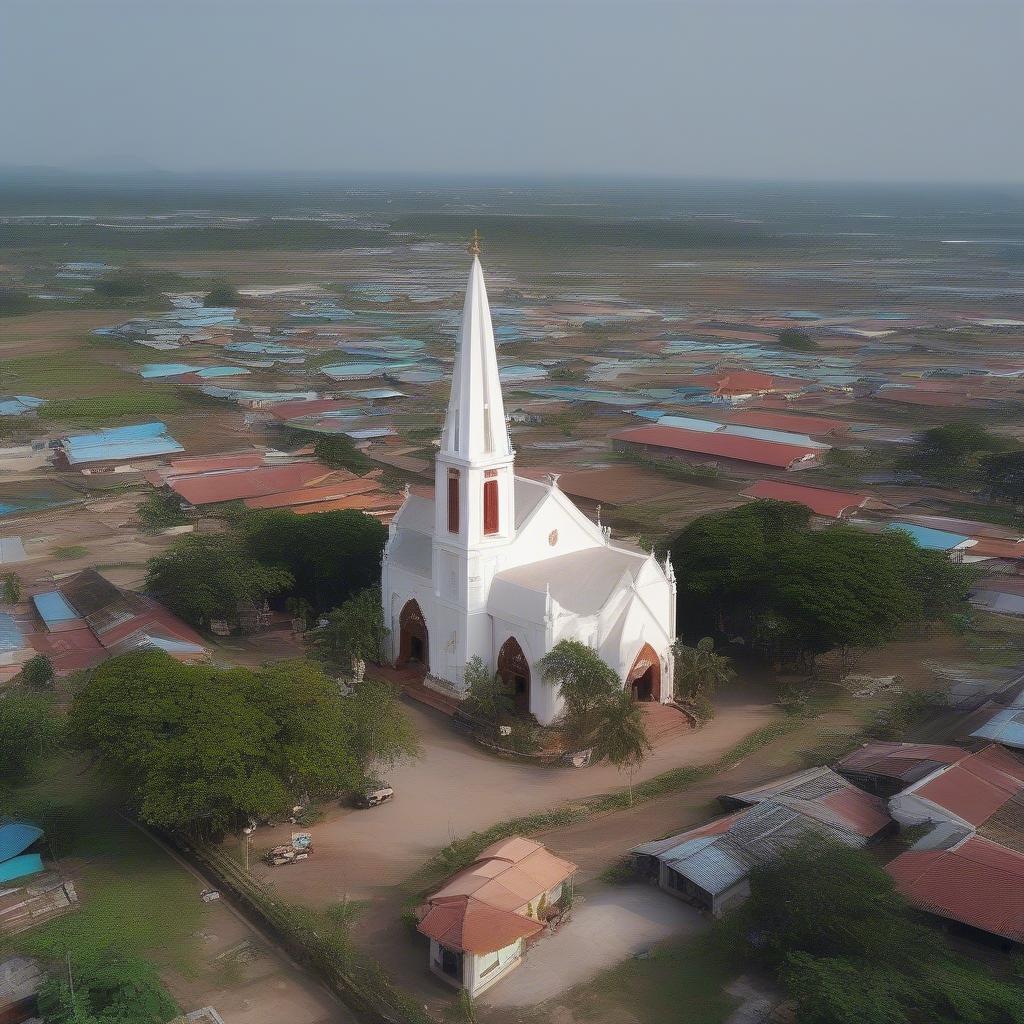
585 683
620 736
699 672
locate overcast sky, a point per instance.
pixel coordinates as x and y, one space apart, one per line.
796 89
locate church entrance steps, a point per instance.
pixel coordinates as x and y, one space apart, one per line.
664 722
412 685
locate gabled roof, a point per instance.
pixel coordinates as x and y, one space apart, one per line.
977 882
907 762
976 787
822 501
726 446
477 910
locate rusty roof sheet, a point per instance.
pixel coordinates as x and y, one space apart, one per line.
726 446
977 786
822 501
905 761
978 883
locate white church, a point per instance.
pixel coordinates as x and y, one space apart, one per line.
505 567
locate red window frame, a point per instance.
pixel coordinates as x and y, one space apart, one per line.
453 501
491 515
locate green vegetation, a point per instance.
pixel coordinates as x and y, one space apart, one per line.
329 556
107 991
28 731
339 452
893 720
828 921
99 408
586 685
1004 475
953 453
760 572
11 588
354 630
14 301
797 340
69 551
202 578
160 511
201 749
222 294
620 737
127 285
37 673
700 673
487 695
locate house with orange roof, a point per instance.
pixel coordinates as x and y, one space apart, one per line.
480 921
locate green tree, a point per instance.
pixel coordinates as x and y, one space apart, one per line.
380 732
160 510
354 630
14 301
585 684
620 737
1004 475
37 672
487 695
222 294
699 671
12 589
108 989
340 452
330 556
28 731
953 452
797 340
200 749
201 578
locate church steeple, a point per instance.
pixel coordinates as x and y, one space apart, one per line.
474 427
474 482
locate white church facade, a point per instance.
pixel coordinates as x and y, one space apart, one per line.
505 567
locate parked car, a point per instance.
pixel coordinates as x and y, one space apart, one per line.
373 797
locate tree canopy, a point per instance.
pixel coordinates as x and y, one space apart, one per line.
355 629
953 453
849 950
339 451
585 683
201 577
760 573
799 341
1004 475
222 294
28 730
329 556
200 749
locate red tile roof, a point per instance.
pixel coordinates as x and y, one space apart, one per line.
977 786
820 500
474 927
209 488
786 421
726 446
978 883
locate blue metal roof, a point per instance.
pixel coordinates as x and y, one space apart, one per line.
690 423
11 638
930 540
20 867
16 837
1006 727
53 608
134 432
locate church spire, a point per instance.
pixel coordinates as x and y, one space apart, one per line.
474 427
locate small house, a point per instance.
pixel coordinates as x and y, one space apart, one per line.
481 921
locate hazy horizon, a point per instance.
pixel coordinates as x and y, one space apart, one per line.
831 91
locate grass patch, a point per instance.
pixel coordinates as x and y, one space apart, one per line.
70 551
98 408
683 982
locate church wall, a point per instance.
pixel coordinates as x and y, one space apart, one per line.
573 532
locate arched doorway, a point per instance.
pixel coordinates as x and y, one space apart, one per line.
644 679
413 643
514 670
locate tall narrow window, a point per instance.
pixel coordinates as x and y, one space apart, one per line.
453 501
491 503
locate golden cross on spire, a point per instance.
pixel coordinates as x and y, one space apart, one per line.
474 244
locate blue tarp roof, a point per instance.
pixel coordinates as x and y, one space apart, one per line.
138 449
16 837
53 608
130 433
18 405
11 638
20 867
931 540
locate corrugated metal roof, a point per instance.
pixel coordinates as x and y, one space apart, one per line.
727 446
53 608
11 638
12 550
1006 727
